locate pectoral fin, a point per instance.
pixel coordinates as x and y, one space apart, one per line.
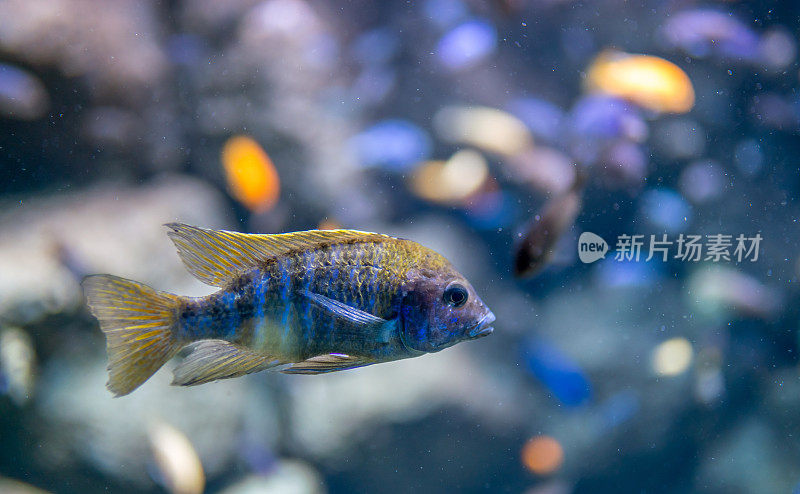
211 360
364 324
345 311
331 362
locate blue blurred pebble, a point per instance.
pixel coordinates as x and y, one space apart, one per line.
544 119
666 209
445 13
704 32
606 117
613 273
619 408
467 45
377 46
393 144
558 372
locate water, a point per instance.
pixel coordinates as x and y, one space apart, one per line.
667 364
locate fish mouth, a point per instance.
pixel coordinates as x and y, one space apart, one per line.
482 328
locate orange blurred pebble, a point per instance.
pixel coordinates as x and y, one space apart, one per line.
542 455
251 176
650 82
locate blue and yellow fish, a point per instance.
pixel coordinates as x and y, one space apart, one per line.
306 303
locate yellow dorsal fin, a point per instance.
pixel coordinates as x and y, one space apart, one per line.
217 256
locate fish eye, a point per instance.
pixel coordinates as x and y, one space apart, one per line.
455 295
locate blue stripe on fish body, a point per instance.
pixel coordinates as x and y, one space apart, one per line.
283 267
292 329
230 317
331 287
216 316
196 321
259 315
354 287
361 280
303 303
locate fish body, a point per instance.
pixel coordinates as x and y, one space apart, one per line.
310 302
269 309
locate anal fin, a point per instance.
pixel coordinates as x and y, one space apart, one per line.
211 360
331 362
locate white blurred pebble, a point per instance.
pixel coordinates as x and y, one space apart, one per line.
17 363
672 357
177 460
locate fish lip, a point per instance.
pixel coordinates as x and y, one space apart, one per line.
480 334
482 328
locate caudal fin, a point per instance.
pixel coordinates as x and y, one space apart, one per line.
139 324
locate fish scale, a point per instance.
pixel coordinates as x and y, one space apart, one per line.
310 270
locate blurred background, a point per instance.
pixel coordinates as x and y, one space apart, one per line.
495 132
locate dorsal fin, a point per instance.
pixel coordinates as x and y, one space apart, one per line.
217 256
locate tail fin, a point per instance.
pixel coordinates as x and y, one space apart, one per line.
139 324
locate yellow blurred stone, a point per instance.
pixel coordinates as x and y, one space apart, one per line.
648 81
488 129
451 181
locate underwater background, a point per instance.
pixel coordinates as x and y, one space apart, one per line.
490 131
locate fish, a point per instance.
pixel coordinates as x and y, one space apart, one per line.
537 246
307 302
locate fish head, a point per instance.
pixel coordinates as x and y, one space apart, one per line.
440 308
